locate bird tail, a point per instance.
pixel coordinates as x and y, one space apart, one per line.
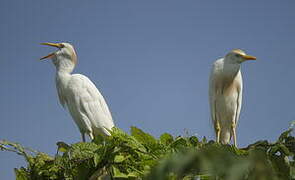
225 136
101 131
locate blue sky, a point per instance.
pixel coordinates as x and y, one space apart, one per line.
150 59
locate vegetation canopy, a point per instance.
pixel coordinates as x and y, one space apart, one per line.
141 156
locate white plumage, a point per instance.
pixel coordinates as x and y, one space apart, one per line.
225 94
76 92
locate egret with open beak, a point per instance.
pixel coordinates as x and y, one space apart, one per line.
76 92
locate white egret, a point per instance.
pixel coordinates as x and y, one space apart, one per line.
76 92
225 94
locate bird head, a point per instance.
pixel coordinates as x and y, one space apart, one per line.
64 58
238 56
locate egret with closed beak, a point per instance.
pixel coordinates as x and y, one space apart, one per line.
225 94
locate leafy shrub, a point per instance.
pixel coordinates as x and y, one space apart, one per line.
141 156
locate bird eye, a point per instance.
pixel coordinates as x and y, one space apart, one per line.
237 55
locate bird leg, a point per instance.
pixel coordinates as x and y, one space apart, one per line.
233 132
217 131
83 137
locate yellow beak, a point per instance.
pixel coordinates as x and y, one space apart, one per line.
48 56
248 57
57 45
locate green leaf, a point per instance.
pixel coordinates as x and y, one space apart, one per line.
204 140
83 150
194 140
118 174
120 137
142 137
290 144
284 135
96 159
166 139
83 170
284 150
261 143
21 174
133 175
282 169
141 156
274 149
62 147
205 177
179 143
119 158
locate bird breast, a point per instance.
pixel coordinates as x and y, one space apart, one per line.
230 86
227 93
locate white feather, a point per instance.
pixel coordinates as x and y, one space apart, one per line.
85 103
225 94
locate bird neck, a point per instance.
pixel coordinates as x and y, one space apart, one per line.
64 67
62 78
231 70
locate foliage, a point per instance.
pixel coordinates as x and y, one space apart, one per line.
141 156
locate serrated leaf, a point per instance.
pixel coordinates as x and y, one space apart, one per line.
83 150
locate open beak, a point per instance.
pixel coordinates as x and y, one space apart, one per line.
248 57
57 45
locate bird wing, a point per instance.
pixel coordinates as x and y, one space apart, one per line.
212 90
90 101
61 98
240 96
